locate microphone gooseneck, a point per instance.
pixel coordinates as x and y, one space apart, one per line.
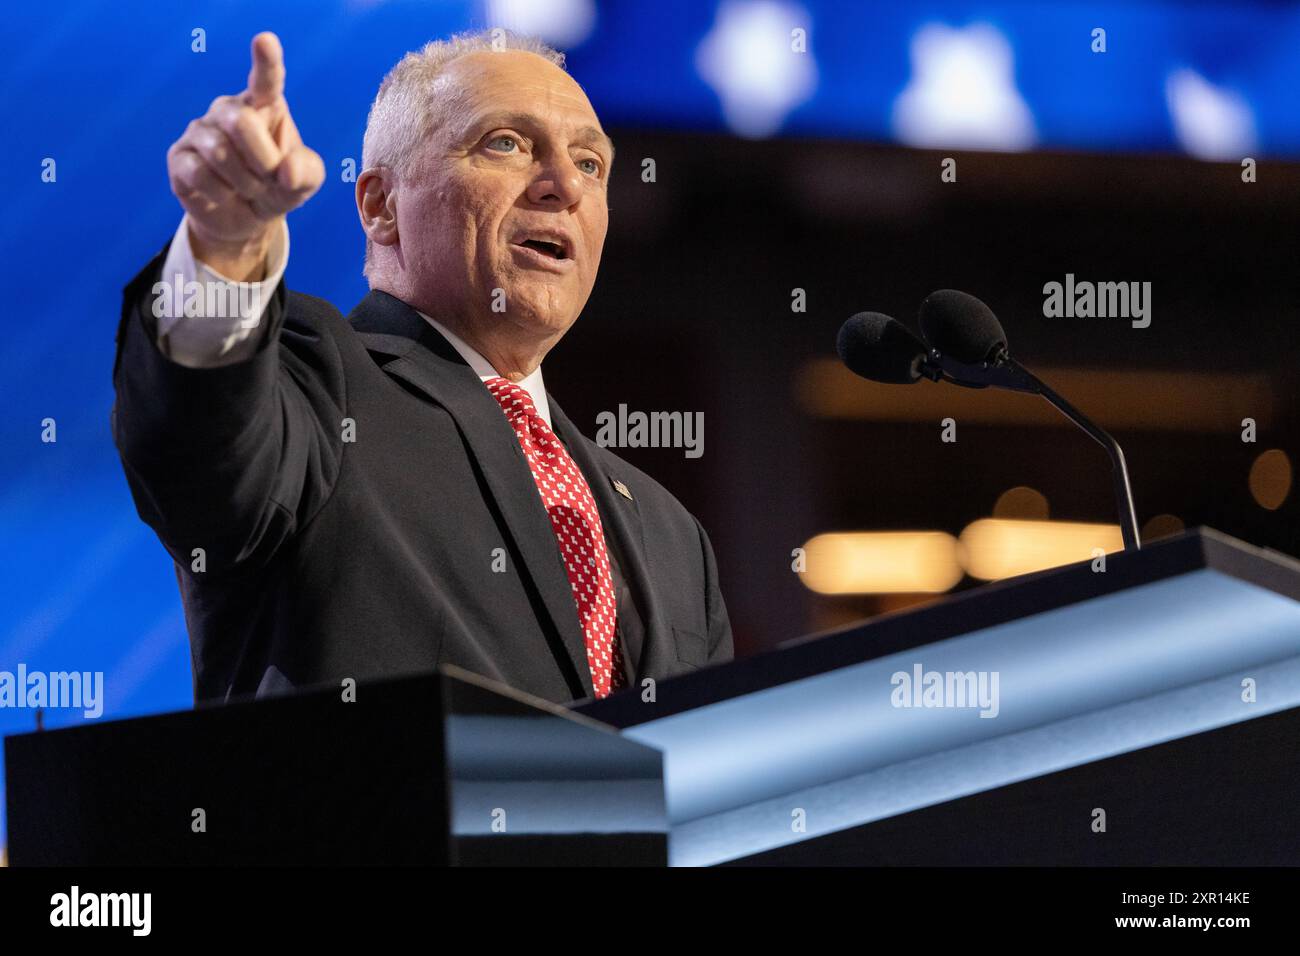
967 346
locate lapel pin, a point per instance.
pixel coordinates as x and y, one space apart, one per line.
622 489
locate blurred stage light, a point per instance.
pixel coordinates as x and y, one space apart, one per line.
994 548
1149 400
1270 479
1021 502
1210 123
1162 526
562 23
881 562
748 60
962 92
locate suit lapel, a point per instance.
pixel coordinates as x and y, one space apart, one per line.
621 518
425 360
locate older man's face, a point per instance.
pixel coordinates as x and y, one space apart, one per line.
508 194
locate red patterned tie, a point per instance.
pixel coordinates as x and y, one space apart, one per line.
578 531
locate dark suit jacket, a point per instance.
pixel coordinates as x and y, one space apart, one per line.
328 558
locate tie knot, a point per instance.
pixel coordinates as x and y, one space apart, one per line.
513 399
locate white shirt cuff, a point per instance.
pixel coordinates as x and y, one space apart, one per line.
205 318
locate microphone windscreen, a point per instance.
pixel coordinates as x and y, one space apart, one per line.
961 326
880 348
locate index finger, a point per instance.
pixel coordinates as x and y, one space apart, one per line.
266 78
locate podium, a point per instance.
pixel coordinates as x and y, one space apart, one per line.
1146 712
443 768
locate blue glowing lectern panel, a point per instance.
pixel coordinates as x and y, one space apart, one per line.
1006 683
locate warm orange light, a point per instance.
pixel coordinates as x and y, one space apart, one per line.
1162 526
1147 400
994 548
1021 502
1270 479
881 562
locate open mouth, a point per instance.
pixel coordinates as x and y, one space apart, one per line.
553 250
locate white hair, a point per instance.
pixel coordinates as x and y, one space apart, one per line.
405 111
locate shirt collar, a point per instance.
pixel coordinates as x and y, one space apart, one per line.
532 383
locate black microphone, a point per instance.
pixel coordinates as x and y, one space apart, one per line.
968 347
962 326
880 348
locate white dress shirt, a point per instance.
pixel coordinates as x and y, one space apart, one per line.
531 383
201 341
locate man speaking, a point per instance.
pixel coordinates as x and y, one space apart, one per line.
378 494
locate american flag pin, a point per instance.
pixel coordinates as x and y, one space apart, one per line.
622 489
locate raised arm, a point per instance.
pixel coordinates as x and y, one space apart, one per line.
226 461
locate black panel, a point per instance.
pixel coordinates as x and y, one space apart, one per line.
306 779
1227 797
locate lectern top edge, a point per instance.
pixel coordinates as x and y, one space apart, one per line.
985 606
